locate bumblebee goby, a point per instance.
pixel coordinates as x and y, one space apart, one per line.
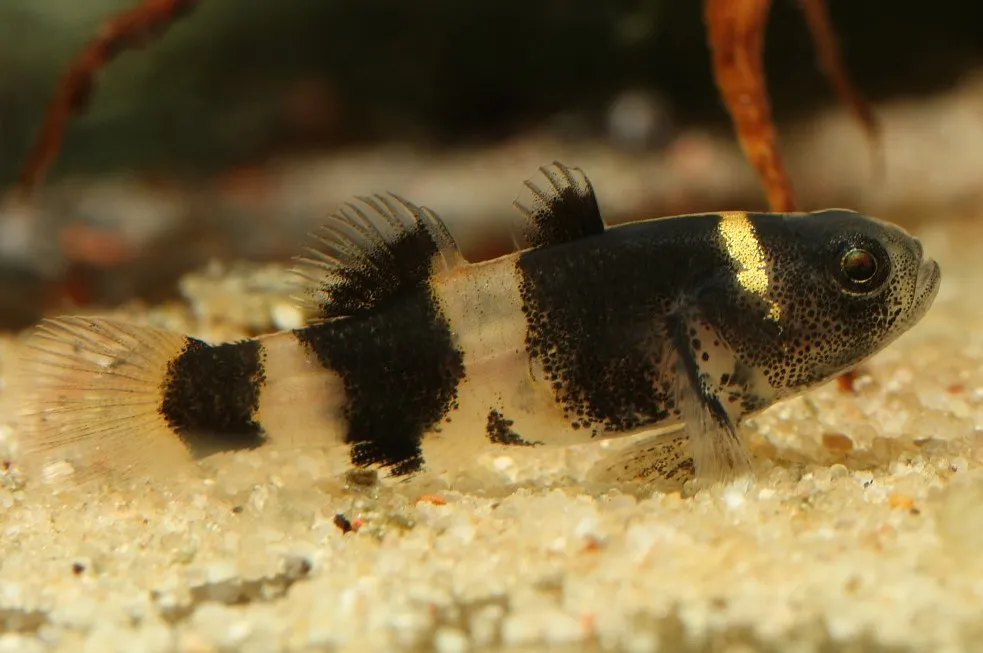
417 359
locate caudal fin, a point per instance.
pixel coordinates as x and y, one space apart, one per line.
88 396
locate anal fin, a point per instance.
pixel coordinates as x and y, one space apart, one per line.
660 461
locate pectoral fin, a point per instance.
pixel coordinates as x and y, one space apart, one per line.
706 444
717 448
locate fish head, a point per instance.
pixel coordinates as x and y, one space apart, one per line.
844 286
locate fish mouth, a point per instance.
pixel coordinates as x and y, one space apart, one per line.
926 288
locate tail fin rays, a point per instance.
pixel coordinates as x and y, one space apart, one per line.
88 400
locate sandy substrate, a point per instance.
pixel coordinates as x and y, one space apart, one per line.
861 531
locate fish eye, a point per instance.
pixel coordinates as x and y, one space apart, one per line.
862 267
858 265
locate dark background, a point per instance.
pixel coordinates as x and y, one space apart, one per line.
238 81
250 120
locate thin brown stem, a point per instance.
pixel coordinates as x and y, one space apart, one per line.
129 29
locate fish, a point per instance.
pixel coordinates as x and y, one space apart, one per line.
676 327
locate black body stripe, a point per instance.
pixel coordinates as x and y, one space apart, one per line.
499 431
400 369
596 314
211 394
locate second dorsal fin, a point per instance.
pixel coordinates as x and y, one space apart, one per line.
559 211
372 251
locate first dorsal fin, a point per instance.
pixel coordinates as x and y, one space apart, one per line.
371 251
559 211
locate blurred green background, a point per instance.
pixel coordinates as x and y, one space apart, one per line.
238 81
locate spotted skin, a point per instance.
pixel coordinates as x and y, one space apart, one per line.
211 394
499 431
607 365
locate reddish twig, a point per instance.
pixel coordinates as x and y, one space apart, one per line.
126 30
736 34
